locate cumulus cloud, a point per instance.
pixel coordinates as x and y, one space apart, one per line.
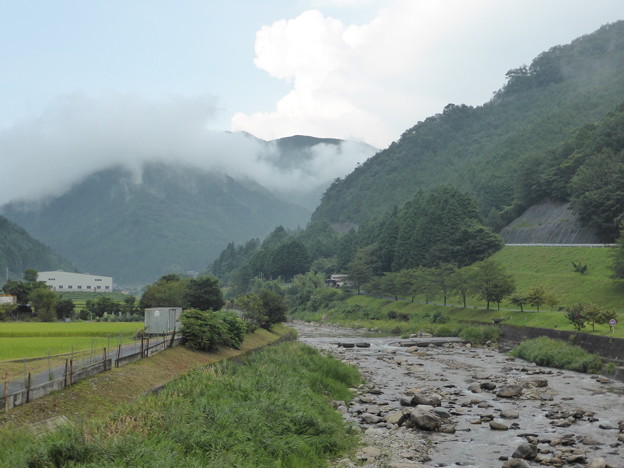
352 81
79 135
375 79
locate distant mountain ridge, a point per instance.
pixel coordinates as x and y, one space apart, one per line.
176 218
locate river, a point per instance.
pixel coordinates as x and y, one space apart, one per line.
570 419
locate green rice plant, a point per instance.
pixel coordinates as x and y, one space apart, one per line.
49 329
559 354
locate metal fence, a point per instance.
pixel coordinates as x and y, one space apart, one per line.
32 386
561 245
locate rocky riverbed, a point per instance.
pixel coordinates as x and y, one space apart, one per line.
454 405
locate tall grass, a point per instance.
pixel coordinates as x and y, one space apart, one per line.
269 411
559 354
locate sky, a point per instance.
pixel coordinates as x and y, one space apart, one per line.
84 84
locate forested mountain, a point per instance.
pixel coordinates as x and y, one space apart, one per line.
489 150
439 227
175 219
19 252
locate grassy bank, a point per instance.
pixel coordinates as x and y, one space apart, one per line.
402 318
546 351
271 410
551 268
102 394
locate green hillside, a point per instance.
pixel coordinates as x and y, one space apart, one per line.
551 268
482 149
19 251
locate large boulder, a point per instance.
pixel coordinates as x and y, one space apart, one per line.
424 419
509 391
526 451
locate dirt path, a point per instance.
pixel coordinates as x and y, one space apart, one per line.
569 419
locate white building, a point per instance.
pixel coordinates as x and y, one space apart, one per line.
8 299
65 281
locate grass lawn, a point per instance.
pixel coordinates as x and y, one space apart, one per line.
551 268
429 317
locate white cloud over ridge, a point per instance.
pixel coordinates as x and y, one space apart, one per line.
79 135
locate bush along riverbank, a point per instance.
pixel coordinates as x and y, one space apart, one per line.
272 409
549 352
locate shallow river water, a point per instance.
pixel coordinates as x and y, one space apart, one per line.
571 418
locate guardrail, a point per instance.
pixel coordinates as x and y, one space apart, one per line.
561 245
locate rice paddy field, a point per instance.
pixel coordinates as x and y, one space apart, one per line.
32 346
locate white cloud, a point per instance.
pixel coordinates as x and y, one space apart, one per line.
80 135
348 81
374 80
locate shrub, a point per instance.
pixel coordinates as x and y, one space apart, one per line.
438 317
479 335
403 316
205 330
556 353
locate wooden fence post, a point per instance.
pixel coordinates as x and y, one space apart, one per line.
65 374
71 372
118 354
6 392
28 390
104 359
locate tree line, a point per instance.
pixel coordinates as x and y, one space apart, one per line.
437 227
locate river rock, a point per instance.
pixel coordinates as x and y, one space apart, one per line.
497 426
369 453
421 399
373 409
537 381
487 385
370 418
475 388
526 451
516 463
396 417
589 440
575 458
597 463
482 375
424 419
509 414
509 391
442 413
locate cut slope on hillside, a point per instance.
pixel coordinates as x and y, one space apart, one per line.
548 223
